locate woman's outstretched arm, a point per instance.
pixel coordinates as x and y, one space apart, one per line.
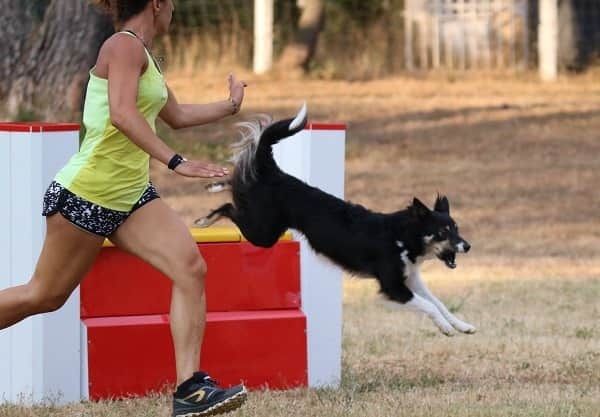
179 116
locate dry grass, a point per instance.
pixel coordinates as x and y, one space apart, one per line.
520 162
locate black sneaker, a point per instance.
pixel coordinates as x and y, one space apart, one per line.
201 396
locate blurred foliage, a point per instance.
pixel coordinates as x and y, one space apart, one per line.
228 19
26 115
213 13
361 39
362 13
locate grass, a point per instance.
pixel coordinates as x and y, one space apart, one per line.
520 163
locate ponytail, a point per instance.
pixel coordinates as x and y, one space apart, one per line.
122 10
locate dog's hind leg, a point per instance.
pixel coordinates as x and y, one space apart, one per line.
226 210
393 286
416 284
253 229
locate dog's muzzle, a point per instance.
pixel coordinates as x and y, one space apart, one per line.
463 246
448 257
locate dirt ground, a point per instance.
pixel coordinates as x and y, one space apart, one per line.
520 163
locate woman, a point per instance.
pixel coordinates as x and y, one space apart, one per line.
104 191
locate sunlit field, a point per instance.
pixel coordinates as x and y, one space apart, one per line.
520 163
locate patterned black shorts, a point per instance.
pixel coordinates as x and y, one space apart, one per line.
86 215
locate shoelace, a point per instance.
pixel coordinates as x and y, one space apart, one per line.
211 381
207 379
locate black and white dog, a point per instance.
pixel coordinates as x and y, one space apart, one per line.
390 247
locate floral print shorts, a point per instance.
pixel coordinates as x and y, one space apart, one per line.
86 215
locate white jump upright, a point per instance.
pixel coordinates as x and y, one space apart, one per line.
316 155
548 40
39 357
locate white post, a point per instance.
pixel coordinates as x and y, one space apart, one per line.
435 33
5 260
263 36
316 156
39 357
548 40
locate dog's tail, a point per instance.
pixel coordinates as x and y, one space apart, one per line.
253 151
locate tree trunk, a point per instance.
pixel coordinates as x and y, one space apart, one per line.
16 21
570 56
49 76
297 55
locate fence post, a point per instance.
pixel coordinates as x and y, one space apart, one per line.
263 36
548 40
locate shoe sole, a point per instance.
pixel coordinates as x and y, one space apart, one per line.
230 404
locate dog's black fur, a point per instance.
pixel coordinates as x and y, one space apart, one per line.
267 201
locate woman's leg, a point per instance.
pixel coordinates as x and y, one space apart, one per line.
156 234
67 255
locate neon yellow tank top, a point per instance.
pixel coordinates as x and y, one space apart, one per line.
110 170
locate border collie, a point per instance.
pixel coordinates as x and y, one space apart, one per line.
389 247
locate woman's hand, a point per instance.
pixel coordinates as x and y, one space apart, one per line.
200 170
236 92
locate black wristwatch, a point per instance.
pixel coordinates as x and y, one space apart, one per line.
175 161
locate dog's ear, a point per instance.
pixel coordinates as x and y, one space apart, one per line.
442 205
418 209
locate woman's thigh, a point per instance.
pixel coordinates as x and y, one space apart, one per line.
156 234
67 254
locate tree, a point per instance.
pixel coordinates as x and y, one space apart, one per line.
297 55
570 53
47 52
16 19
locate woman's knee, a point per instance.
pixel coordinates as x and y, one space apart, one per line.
198 268
192 270
44 300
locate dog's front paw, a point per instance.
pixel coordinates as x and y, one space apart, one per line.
463 327
445 328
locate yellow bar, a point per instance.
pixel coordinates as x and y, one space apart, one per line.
215 235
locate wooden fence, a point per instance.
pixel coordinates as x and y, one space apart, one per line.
466 34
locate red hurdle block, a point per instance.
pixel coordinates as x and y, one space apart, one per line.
240 277
133 355
253 302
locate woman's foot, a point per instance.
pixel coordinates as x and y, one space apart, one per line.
201 396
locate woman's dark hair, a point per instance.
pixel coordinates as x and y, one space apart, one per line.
122 10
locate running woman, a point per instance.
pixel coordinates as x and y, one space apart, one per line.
105 191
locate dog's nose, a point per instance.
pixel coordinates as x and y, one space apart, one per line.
466 246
